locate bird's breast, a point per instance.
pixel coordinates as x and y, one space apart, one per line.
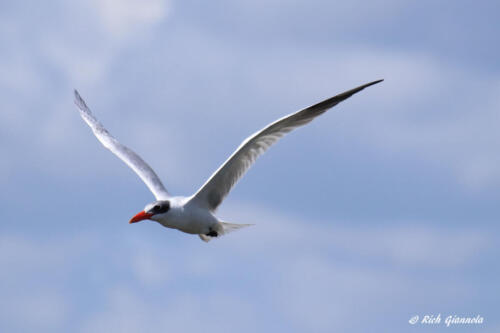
192 221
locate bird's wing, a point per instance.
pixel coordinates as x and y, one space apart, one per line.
211 194
127 155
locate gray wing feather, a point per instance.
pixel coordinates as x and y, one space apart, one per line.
134 161
211 194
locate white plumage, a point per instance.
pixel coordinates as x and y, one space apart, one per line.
195 214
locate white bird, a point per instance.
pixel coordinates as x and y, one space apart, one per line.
195 214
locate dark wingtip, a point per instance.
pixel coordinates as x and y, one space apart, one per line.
332 101
368 84
76 96
351 92
374 82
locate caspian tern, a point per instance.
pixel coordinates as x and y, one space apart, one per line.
195 214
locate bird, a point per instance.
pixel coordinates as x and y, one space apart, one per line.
196 214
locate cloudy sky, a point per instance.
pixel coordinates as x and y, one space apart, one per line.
382 209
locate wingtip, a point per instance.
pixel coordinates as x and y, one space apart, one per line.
76 95
373 82
366 85
353 91
79 100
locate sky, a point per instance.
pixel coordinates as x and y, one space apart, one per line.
384 208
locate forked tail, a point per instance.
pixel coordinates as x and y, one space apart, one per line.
224 228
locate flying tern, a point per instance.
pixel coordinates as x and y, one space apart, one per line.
195 214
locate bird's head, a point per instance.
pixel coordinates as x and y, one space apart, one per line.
152 211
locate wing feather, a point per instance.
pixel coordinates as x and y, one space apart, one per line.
127 155
216 188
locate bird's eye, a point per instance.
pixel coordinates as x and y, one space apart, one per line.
161 208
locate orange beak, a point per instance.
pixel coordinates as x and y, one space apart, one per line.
140 216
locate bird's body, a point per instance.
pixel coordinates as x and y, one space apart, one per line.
195 214
186 216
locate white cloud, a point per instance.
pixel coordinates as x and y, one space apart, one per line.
422 246
123 311
127 311
400 115
43 66
103 29
405 244
150 268
45 63
329 273
312 274
318 294
31 297
317 276
123 17
426 107
44 310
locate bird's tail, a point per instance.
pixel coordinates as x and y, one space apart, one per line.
230 227
224 229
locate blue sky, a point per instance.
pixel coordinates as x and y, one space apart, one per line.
384 208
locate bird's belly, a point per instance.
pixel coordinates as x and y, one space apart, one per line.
191 224
195 227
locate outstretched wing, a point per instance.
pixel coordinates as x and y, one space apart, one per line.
211 194
127 155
